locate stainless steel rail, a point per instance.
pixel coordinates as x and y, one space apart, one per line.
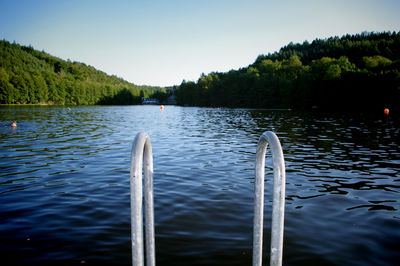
278 205
141 151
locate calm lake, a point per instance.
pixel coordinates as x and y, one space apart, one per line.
64 185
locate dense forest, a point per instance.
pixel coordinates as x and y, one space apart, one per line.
28 76
349 73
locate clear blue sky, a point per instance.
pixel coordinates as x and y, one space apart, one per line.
163 42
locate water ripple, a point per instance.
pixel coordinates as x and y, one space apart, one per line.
64 188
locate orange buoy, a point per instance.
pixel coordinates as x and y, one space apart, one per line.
14 124
162 107
386 111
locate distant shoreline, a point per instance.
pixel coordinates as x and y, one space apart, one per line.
36 104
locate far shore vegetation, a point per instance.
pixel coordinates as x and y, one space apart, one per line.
352 72
28 76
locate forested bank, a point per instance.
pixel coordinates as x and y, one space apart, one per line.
352 72
28 76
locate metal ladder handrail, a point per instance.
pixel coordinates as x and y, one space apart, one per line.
278 205
142 151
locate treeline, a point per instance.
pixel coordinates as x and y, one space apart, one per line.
28 76
351 72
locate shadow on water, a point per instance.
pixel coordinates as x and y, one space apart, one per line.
64 188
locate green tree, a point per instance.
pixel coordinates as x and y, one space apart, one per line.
376 61
19 83
7 91
40 86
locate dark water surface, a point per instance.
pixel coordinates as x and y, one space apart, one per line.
64 185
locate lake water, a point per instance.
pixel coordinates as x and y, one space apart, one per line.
64 185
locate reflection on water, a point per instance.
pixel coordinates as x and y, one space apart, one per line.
64 188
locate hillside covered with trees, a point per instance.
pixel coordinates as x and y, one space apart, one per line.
28 76
352 72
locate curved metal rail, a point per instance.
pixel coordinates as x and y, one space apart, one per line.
278 205
141 151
